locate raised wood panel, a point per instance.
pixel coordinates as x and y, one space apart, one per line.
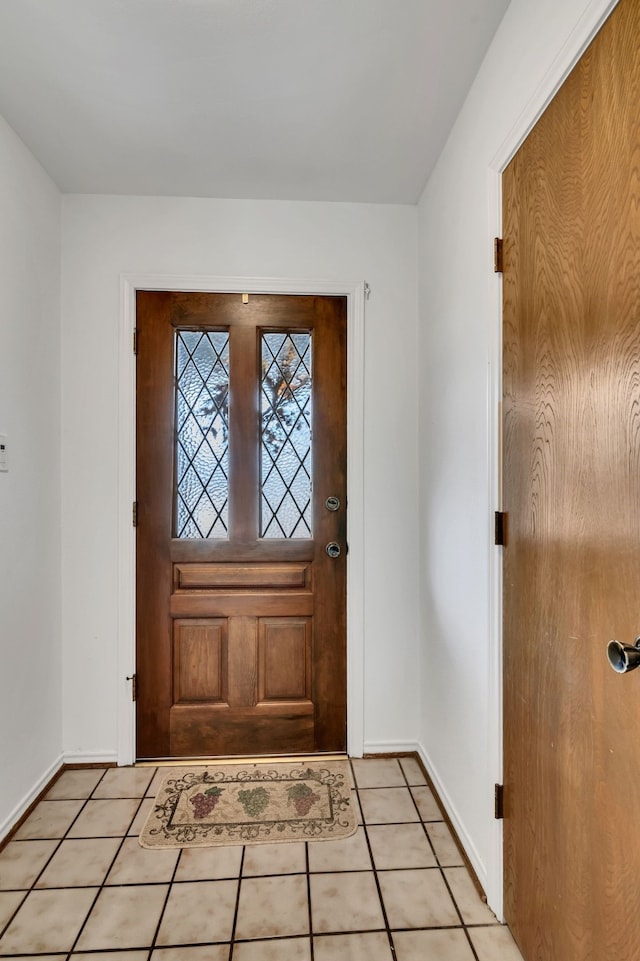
242 576
200 652
239 604
249 550
264 729
284 659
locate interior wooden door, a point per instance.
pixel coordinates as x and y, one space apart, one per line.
241 549
572 495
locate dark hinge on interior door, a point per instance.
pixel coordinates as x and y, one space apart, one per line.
135 340
500 528
497 255
499 802
134 513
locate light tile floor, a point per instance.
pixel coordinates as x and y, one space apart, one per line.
75 884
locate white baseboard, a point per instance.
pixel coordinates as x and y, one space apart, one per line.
91 757
30 796
390 747
469 847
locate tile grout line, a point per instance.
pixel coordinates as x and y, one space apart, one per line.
113 860
166 901
385 918
445 880
289 874
87 799
4 929
32 888
441 869
471 944
306 858
232 937
439 866
444 877
464 925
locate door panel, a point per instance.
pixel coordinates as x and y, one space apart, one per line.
284 659
241 438
572 558
200 658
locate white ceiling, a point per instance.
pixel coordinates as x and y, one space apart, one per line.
345 100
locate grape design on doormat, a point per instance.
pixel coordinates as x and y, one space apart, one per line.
302 798
254 802
204 804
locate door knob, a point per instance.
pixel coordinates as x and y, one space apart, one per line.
333 549
622 657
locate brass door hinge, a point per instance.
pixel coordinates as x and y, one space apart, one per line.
497 255
134 686
500 536
134 514
499 802
135 340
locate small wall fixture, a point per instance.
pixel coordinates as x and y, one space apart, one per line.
623 657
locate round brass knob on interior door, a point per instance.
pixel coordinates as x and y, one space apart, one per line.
333 549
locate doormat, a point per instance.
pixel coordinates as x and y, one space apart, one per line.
251 804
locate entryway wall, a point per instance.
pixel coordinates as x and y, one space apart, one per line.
106 237
30 632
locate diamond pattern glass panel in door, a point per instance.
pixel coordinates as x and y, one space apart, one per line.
285 474
202 434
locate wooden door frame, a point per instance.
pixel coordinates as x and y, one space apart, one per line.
575 45
126 641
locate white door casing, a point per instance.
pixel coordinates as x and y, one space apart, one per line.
355 294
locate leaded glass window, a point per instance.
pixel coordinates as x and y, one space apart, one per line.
285 460
202 434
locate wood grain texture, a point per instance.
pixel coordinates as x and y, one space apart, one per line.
225 732
571 440
237 603
275 690
200 650
245 576
284 659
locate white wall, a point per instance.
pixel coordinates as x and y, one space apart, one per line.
104 236
30 645
459 378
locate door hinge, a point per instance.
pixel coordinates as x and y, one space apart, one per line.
134 686
135 340
499 802
497 255
134 514
500 528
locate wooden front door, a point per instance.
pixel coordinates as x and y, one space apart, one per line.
572 494
241 549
